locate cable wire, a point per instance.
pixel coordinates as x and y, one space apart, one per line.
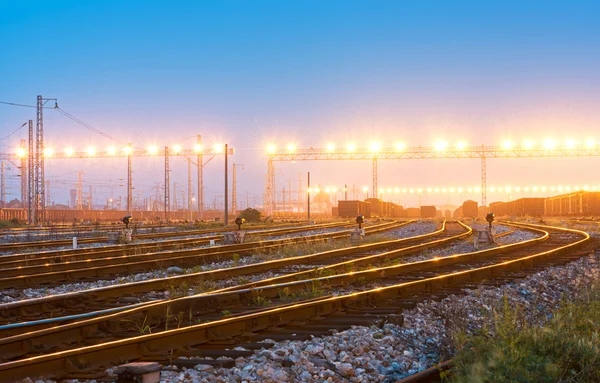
16 130
23 105
85 125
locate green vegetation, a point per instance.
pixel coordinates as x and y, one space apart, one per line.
566 349
15 222
258 300
251 215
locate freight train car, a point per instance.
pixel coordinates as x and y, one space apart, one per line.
521 207
580 203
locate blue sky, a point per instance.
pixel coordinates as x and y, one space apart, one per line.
309 72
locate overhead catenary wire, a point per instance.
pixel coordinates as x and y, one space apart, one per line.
85 125
15 131
22 105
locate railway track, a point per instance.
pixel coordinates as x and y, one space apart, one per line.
44 244
120 294
48 258
43 269
406 285
339 261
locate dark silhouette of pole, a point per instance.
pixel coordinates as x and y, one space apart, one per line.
308 197
226 220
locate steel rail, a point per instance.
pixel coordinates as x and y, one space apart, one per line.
106 267
213 303
52 304
64 252
116 352
112 255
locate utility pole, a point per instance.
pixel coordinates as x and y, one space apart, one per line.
190 190
375 181
283 201
129 181
200 178
483 182
30 178
40 206
79 191
167 207
234 191
90 199
48 200
175 202
2 186
308 197
226 219
23 169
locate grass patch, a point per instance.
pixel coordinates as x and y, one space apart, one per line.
565 349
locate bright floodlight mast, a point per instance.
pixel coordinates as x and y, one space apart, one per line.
30 177
439 151
167 205
40 205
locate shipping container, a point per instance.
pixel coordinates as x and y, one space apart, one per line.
428 211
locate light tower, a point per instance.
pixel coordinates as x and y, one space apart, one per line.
23 169
40 184
167 207
129 149
200 178
30 178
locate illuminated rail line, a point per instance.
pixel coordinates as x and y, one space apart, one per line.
313 317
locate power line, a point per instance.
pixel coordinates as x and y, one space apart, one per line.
15 104
16 130
85 125
23 105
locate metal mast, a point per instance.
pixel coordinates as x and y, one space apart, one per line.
2 186
40 208
23 174
30 178
129 181
79 192
190 190
167 206
226 219
48 200
200 179
375 192
269 195
483 182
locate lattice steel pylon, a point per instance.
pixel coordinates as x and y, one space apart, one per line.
167 207
200 178
2 186
30 177
23 169
269 194
483 182
79 205
190 190
40 207
40 184
129 181
375 191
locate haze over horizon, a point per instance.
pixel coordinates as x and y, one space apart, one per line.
309 73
